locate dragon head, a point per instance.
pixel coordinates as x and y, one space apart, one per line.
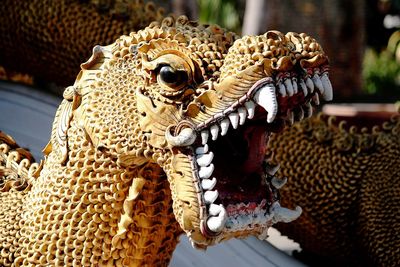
201 102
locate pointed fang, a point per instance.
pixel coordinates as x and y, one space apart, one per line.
278 183
272 169
317 83
266 97
328 91
284 214
234 118
310 85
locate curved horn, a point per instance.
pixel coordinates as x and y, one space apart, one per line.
185 138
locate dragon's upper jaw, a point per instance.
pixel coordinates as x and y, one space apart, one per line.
238 190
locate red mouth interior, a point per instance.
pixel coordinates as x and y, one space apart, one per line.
239 163
239 157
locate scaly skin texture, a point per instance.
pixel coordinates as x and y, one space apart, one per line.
48 39
128 167
348 183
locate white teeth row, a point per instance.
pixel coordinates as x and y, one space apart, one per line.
323 84
218 217
235 119
204 159
266 98
291 86
302 112
217 213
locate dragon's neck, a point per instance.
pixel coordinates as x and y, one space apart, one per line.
91 211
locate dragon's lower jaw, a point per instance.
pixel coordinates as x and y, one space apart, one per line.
239 191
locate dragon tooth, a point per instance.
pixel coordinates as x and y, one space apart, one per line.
303 87
299 114
206 172
208 184
202 149
282 89
278 183
250 106
290 117
234 118
315 99
210 196
289 87
317 83
205 159
266 97
272 169
308 110
217 223
214 132
294 84
215 210
224 126
310 85
326 83
242 115
286 215
204 136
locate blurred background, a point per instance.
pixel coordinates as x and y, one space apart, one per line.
361 37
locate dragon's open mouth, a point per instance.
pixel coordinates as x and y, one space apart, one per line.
239 190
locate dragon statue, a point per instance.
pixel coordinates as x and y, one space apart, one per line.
163 132
346 180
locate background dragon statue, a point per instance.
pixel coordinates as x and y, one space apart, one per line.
163 131
348 182
345 180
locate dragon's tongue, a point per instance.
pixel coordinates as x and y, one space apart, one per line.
256 138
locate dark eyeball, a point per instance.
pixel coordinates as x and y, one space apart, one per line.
168 74
172 77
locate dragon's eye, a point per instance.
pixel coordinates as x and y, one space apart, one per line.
171 77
